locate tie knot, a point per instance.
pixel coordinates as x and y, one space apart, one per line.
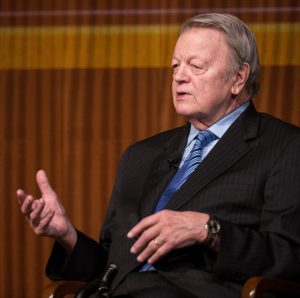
205 137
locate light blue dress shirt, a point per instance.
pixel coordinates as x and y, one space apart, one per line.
219 128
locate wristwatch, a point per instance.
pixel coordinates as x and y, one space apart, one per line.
213 228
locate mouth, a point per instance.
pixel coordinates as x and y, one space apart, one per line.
182 94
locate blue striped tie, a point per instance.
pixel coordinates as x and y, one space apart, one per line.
190 164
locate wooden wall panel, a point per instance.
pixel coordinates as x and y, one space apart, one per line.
81 80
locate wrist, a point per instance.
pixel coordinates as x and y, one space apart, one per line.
68 239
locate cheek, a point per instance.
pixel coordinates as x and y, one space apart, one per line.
199 88
174 86
208 89
174 91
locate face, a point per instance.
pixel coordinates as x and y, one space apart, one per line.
202 84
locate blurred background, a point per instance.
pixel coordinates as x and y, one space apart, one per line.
81 80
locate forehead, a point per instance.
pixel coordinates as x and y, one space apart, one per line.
200 41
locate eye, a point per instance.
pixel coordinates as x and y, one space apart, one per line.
175 67
196 66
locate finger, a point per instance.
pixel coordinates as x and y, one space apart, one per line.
142 226
43 183
147 236
21 195
26 206
149 250
159 253
43 227
35 215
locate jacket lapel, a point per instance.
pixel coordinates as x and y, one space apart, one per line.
230 148
162 170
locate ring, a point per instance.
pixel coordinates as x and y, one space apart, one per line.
157 242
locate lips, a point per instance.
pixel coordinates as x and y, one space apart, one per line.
181 94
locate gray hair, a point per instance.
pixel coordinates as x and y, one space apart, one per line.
240 39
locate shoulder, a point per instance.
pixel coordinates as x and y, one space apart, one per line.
264 125
276 126
158 141
161 139
141 155
278 137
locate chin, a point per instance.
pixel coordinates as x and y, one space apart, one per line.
185 113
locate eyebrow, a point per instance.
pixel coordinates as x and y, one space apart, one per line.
194 56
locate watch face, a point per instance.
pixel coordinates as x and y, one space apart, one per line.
213 226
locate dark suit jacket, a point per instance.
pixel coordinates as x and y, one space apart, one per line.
250 181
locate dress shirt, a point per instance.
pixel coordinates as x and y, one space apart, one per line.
218 128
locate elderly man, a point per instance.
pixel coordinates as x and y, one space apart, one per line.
196 210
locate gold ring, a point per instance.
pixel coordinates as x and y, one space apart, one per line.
157 242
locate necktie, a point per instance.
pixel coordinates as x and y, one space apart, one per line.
190 164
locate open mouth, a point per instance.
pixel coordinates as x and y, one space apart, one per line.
181 94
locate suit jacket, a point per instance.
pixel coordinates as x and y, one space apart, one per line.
250 181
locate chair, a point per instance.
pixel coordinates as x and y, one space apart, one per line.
62 289
255 287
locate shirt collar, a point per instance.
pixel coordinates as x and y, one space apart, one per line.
221 126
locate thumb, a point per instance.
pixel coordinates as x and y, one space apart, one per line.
43 183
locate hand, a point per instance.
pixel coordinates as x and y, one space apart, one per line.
167 230
46 215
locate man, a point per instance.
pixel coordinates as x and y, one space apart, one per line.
176 227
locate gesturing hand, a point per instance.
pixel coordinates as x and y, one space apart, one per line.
167 230
46 215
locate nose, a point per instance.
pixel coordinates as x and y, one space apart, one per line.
180 74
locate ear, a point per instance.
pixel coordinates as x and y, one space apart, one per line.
240 79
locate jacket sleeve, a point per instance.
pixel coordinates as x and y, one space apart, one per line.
274 248
86 261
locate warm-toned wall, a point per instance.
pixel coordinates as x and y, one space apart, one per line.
80 80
